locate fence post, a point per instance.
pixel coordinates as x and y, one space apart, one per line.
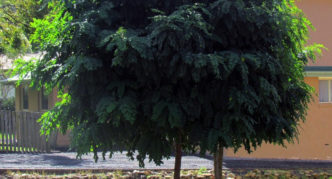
35 131
19 131
14 130
10 131
6 130
29 131
37 134
43 144
2 130
29 119
40 137
24 131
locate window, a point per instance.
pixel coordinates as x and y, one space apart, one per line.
44 100
325 94
25 97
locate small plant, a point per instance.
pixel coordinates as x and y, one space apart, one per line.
118 174
9 172
202 170
184 172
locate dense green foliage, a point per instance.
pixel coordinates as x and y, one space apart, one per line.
7 104
143 74
15 29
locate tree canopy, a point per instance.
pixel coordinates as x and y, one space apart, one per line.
145 74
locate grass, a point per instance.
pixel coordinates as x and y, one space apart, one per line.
4 149
9 149
11 136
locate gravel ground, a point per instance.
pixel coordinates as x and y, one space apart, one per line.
67 160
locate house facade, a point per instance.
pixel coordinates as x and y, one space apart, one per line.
32 100
28 99
314 140
6 90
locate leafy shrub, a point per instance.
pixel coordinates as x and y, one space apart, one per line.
7 104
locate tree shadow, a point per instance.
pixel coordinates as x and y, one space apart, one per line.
62 160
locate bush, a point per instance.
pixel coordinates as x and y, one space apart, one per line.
7 104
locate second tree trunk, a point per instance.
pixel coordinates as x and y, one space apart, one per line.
218 159
178 156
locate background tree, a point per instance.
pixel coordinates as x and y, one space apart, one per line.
15 29
217 74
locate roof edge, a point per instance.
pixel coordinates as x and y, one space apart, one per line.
317 68
318 71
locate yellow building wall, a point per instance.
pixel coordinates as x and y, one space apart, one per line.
34 98
17 99
314 142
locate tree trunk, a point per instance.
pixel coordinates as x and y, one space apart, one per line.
178 156
218 159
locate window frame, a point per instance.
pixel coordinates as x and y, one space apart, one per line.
329 90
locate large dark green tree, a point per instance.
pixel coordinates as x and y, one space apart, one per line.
148 75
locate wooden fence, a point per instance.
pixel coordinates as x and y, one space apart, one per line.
20 132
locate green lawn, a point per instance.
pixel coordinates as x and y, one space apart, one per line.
1 137
4 148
